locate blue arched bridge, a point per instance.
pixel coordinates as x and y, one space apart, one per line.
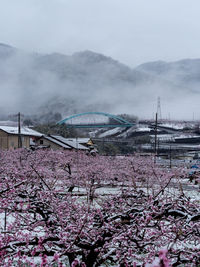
114 121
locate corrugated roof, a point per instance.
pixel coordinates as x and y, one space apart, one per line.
72 143
80 140
24 131
56 142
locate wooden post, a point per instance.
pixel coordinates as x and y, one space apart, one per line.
19 131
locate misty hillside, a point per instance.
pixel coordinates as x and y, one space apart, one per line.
86 81
184 72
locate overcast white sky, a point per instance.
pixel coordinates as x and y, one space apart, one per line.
131 31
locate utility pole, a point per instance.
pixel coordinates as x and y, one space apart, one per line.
159 109
18 116
19 131
156 132
170 157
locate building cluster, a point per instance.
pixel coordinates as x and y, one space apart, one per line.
10 138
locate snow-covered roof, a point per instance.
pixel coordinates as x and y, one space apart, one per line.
142 129
24 131
185 136
80 140
56 142
120 131
111 132
164 137
176 126
72 143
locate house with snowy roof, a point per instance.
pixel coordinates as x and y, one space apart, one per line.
58 142
47 141
9 137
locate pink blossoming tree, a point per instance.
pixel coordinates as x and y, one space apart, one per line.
58 209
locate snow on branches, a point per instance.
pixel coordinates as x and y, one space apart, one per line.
70 209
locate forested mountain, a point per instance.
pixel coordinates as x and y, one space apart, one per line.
86 81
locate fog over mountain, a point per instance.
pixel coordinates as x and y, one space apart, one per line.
86 81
